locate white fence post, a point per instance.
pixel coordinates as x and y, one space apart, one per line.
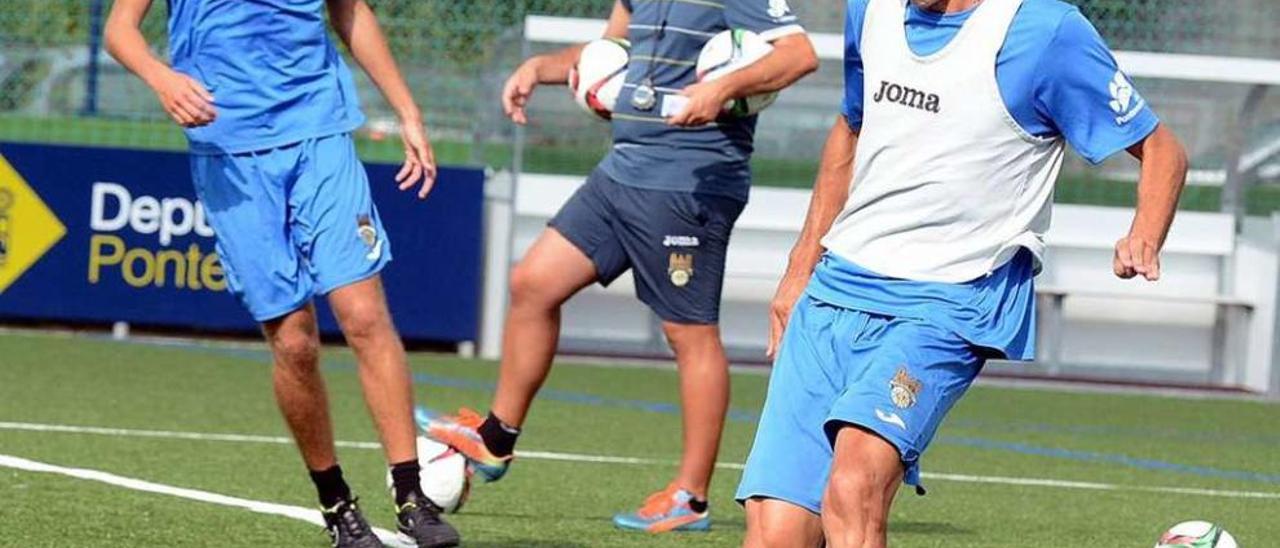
1274 393
499 214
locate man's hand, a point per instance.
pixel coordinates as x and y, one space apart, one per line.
184 99
518 90
706 102
1137 255
789 291
419 159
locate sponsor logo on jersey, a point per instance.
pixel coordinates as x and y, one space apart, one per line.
680 268
908 97
903 389
1125 101
680 241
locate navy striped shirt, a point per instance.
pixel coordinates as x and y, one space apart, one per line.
666 37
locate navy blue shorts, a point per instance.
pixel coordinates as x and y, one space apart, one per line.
674 243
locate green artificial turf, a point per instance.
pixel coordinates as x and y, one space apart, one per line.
1130 441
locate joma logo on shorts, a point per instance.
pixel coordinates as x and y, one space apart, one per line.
906 96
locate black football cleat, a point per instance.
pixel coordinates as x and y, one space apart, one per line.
419 523
347 528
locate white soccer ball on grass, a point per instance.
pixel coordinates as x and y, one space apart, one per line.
1196 534
446 480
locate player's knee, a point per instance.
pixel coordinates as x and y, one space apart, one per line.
771 534
296 350
529 287
365 326
855 492
693 337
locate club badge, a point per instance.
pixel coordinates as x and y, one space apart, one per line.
680 268
903 389
368 234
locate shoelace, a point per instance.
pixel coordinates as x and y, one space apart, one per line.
468 418
349 520
421 511
658 503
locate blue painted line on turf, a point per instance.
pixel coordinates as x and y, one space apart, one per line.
567 396
427 379
1112 431
737 415
1110 458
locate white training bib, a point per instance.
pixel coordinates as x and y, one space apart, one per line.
946 185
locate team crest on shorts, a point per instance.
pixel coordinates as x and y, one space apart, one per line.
903 389
680 268
368 234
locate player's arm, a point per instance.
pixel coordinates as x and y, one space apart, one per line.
1164 173
1082 92
357 26
792 58
830 191
553 68
185 100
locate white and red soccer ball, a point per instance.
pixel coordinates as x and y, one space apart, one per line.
599 75
596 79
1196 534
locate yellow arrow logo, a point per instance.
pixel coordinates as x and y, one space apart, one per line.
27 227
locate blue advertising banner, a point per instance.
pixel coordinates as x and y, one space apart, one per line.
105 235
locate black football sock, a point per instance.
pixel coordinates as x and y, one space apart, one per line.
406 480
330 486
698 506
498 437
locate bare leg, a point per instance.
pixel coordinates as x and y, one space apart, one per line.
552 271
704 395
772 523
361 309
865 475
299 388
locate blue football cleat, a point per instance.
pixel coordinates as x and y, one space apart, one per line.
668 510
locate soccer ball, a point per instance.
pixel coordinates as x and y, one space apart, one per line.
1196 534
730 51
445 477
596 79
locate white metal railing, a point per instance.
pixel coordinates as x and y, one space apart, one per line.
1194 326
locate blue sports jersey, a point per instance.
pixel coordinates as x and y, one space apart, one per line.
1056 74
1057 78
275 75
666 37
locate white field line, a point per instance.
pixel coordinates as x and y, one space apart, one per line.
293 512
606 459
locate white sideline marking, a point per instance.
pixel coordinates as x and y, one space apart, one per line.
606 459
293 512
1039 482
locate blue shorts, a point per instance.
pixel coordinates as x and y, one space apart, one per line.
291 222
896 377
673 242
